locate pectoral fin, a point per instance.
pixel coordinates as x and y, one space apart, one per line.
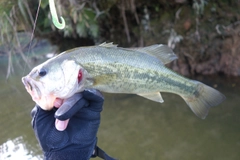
157 97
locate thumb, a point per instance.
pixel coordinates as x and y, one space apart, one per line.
61 125
58 102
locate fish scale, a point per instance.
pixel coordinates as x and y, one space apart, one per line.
160 80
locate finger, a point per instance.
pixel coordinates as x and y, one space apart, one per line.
95 99
93 95
70 106
61 125
58 102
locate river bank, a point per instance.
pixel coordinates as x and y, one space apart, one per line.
204 34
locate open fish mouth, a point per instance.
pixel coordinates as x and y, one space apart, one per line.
31 88
27 84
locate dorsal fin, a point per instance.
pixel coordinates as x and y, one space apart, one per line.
108 45
161 52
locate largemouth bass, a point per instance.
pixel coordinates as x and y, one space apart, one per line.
112 69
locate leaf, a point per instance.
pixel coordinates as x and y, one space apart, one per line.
44 4
94 30
81 29
67 32
89 14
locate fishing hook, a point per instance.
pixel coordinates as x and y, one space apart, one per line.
55 17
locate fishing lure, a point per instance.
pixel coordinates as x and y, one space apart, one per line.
55 17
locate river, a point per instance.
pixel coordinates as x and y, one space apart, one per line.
133 127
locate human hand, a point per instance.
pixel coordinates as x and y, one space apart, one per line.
78 139
65 110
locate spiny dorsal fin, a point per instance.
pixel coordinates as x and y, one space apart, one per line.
108 45
157 97
161 52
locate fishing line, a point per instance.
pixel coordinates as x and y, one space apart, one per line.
54 20
31 39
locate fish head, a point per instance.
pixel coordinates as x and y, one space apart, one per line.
51 80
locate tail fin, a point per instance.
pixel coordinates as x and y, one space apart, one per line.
204 98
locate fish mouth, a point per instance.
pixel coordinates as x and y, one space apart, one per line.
27 84
31 88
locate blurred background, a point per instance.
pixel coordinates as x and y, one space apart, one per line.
205 35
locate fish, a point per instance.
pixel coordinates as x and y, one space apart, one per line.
112 69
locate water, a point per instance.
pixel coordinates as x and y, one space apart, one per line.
133 127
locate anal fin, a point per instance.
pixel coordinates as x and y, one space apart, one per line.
156 96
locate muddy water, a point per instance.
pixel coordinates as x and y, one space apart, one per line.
133 127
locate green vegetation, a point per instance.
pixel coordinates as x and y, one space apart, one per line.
15 16
194 28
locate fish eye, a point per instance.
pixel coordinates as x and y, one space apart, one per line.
42 72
